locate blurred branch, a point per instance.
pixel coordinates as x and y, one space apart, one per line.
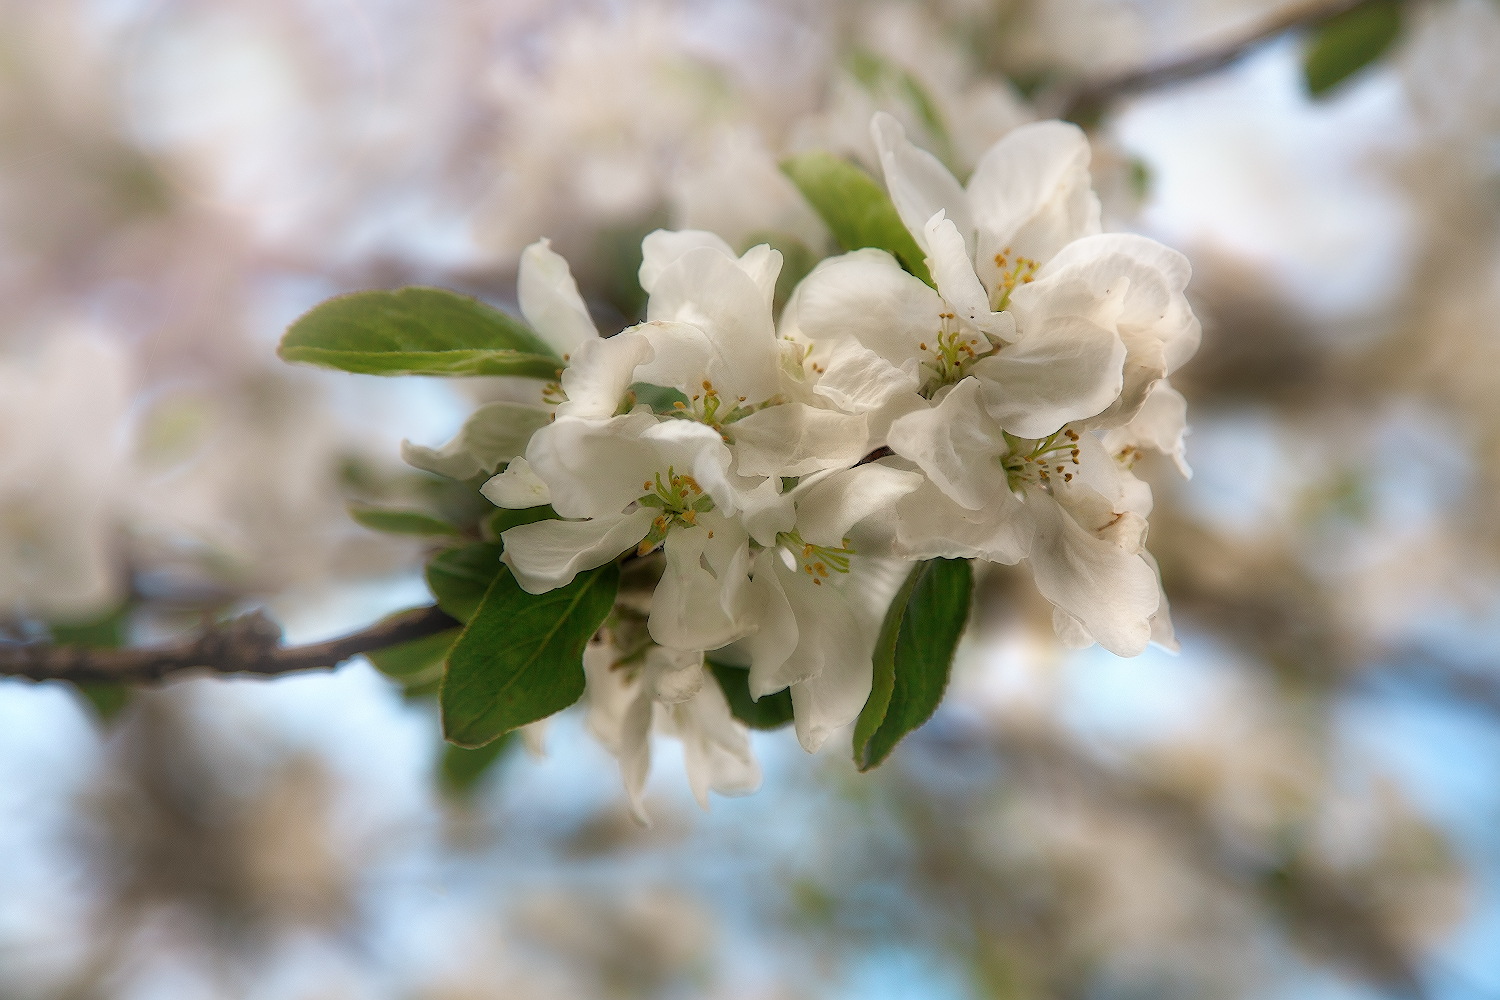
1086 101
247 645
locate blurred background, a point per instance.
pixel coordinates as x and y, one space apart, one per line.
1304 803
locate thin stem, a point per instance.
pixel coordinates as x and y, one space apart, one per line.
247 645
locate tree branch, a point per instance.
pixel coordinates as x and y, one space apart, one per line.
1086 101
247 645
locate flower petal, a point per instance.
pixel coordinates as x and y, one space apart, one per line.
796 440
867 297
919 184
493 435
546 555
549 299
771 646
517 488
600 374
953 270
663 246
1160 424
829 507
690 609
1031 196
956 444
931 526
1070 369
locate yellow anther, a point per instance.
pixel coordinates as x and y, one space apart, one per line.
679 405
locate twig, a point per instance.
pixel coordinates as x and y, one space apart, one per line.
1086 101
247 645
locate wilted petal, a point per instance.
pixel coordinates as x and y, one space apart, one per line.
919 184
549 299
546 555
716 749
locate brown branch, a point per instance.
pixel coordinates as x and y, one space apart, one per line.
1086 101
247 645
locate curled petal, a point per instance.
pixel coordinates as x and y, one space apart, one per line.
919 184
1071 369
830 506
517 488
492 436
1161 424
549 299
953 270
663 246
600 374
956 443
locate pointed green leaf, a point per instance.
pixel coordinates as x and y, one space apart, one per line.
1346 44
521 657
417 331
772 711
400 522
459 577
855 207
462 767
913 656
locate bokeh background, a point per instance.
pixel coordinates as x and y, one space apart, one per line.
1304 803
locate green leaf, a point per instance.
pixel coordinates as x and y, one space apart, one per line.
400 522
106 632
771 712
913 656
418 664
459 577
1345 44
854 206
417 331
462 767
504 519
521 657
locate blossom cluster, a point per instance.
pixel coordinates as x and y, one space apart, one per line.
789 474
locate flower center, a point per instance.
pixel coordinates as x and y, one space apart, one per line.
816 560
1037 462
951 352
1013 271
708 407
680 500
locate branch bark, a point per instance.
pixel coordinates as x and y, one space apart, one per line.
247 645
1088 100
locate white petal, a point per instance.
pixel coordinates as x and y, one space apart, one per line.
517 488
956 443
795 440
716 748
867 297
608 693
919 184
1070 630
699 451
600 374
858 380
549 299
676 675
772 645
1110 591
708 290
829 507
834 654
546 555
931 526
1031 196
1069 370
1161 424
664 246
688 608
953 270
681 356
1162 632
492 436
763 265
596 468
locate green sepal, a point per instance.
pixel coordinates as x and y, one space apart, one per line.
400 522
662 399
520 659
913 656
417 331
1345 44
771 712
459 577
857 209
